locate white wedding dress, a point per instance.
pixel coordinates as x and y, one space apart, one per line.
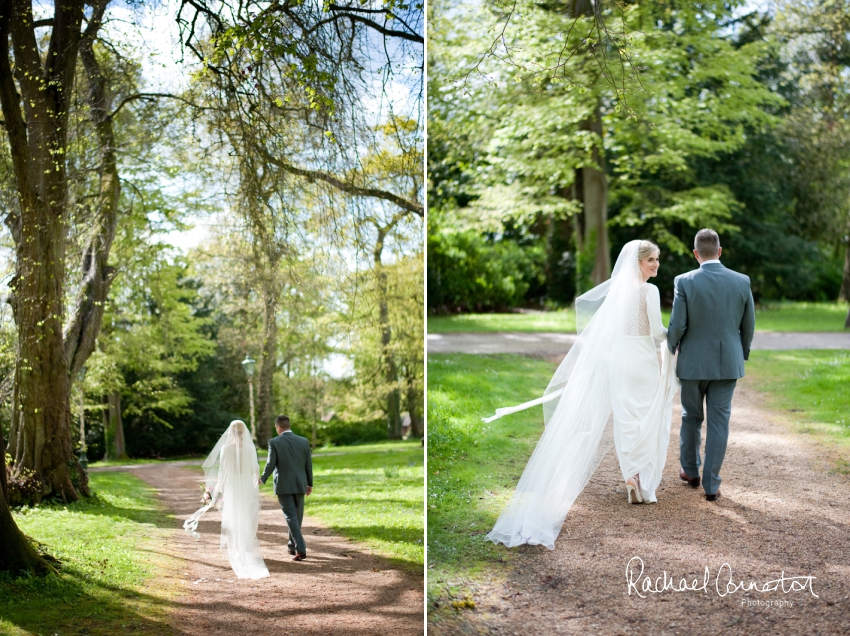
610 379
233 467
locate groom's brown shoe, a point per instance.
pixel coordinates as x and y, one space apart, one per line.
693 482
299 557
713 497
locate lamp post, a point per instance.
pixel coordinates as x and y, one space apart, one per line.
84 460
248 364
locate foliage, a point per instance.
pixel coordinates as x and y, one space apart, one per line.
473 467
468 272
705 121
363 396
354 496
107 565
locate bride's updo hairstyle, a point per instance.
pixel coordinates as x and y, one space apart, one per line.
647 249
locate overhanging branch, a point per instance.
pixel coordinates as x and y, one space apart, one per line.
347 187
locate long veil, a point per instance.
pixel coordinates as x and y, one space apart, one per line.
577 412
231 471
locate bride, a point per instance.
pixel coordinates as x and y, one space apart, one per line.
233 469
611 370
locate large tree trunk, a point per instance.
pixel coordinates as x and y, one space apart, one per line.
16 553
36 124
41 414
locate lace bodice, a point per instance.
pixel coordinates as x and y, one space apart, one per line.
644 317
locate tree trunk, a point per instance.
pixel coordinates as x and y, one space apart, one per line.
416 428
268 361
595 199
17 555
393 408
97 276
41 413
115 447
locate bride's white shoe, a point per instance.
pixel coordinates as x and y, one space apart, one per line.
633 490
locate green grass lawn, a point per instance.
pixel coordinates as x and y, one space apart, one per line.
373 494
473 467
107 546
804 317
812 387
563 320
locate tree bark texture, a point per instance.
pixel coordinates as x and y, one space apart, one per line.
36 124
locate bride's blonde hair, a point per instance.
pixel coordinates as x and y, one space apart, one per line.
647 249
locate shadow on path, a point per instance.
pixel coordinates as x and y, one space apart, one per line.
339 589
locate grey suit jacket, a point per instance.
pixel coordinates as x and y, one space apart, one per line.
713 320
290 459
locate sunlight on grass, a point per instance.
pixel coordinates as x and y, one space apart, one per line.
785 317
107 546
558 321
801 317
373 495
812 387
474 467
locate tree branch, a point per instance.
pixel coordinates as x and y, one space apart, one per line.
145 96
348 188
393 33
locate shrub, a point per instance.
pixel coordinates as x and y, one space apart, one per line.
23 485
468 272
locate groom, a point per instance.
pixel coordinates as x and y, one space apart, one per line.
289 458
712 324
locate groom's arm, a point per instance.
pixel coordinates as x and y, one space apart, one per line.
309 467
748 325
678 317
271 462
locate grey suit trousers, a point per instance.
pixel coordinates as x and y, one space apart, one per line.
718 399
293 510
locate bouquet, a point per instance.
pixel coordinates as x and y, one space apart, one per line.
206 497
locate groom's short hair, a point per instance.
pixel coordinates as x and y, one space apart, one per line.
707 243
282 421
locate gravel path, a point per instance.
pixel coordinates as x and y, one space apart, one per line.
559 343
340 588
783 508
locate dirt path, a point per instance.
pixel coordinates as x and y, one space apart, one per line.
339 589
559 343
782 509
